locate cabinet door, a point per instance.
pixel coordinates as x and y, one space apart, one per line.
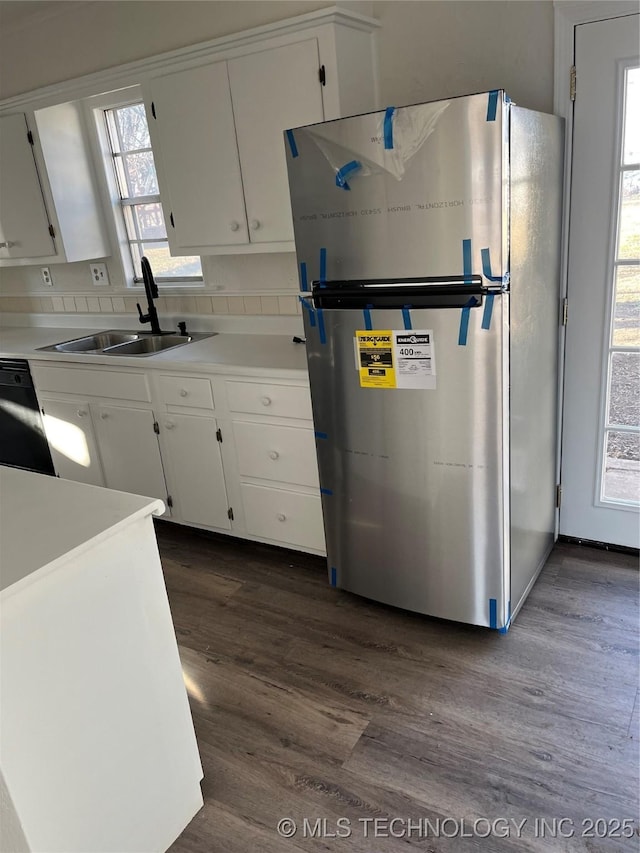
198 169
71 438
192 450
271 91
24 225
129 450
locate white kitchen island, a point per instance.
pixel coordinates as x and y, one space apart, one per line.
97 748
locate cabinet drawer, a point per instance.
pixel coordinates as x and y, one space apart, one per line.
95 383
185 391
282 401
285 454
287 517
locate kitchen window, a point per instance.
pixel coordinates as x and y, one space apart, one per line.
131 177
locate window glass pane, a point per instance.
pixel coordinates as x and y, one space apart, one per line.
632 118
624 389
629 226
113 131
626 311
141 173
134 132
163 265
622 467
149 221
121 177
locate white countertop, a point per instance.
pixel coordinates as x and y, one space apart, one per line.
225 352
43 520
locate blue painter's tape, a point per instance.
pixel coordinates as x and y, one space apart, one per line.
366 312
323 336
334 576
309 308
325 491
406 316
348 169
467 271
321 434
493 613
492 105
488 309
486 268
292 143
388 127
323 265
508 625
304 282
467 264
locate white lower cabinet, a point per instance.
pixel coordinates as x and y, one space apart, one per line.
72 440
288 517
229 454
194 469
129 450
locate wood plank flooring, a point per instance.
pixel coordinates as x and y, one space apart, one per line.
312 703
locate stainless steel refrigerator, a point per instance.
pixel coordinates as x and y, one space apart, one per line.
428 246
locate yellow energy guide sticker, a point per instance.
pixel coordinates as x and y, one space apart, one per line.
375 359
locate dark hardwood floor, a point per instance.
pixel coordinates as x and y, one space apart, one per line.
310 703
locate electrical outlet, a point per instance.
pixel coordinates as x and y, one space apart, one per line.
99 274
45 272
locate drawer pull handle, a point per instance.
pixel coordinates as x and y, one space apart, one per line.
82 413
169 424
281 516
273 454
266 401
184 392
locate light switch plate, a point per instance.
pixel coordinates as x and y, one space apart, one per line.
99 274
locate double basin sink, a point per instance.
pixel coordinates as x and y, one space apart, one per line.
125 343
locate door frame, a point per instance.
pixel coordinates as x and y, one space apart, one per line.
567 15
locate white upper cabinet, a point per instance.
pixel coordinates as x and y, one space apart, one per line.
217 127
193 137
24 224
49 208
271 91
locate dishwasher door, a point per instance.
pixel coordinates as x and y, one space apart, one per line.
22 440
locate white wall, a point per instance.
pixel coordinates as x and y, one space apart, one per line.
427 50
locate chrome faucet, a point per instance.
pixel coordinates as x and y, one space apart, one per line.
151 290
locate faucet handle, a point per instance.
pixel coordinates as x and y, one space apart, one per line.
182 326
144 318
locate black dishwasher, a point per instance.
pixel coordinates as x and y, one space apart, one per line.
22 440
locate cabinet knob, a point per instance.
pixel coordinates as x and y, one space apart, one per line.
281 516
273 454
235 226
104 415
266 401
169 424
254 224
184 392
82 413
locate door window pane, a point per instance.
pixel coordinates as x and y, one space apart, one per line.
141 174
132 124
622 467
626 310
632 118
629 225
624 389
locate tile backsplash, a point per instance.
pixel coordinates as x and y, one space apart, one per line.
188 304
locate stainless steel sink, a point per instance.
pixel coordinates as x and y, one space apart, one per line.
150 344
93 343
113 342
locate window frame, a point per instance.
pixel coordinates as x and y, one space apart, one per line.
113 204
